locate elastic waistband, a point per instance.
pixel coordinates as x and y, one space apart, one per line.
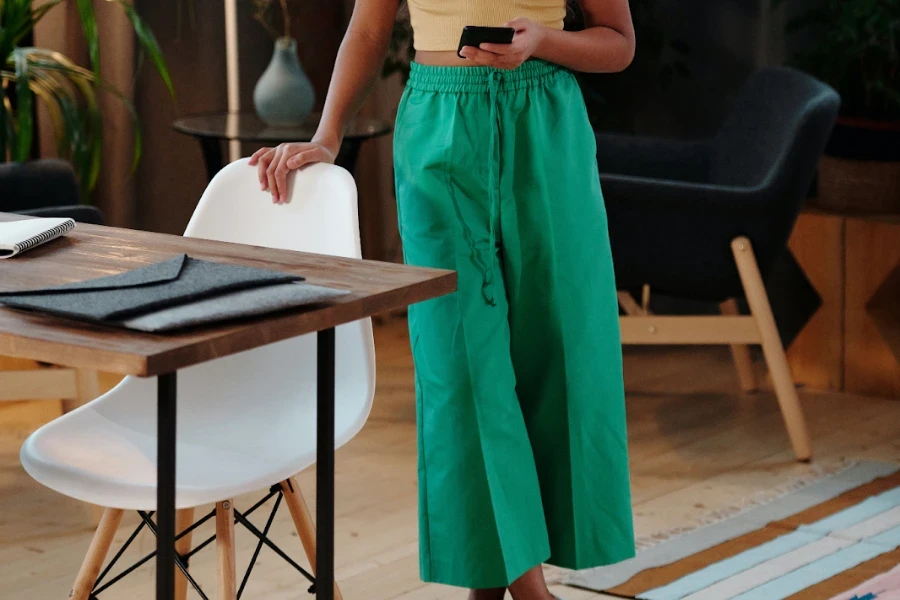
478 79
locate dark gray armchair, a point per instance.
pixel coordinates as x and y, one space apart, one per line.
706 220
48 188
44 188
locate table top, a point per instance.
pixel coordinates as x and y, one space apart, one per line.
247 127
91 251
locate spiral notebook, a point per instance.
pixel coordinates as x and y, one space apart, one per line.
18 236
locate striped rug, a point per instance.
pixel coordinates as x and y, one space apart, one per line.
838 539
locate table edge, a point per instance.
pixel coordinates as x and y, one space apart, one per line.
280 329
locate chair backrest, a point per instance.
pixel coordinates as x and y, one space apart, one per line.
273 387
777 128
772 142
37 184
768 149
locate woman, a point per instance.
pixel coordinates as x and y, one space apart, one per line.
521 418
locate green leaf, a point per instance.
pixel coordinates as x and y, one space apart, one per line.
24 103
6 132
9 130
45 94
83 79
91 32
148 41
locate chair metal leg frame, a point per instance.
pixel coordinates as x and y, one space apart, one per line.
303 523
184 518
737 331
88 584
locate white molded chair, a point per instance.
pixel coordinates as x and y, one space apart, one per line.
245 422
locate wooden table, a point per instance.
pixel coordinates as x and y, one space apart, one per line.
93 251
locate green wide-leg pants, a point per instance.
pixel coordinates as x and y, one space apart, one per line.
520 400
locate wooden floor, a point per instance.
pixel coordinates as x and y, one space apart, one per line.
697 445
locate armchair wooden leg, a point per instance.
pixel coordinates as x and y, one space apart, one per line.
740 352
88 388
303 521
785 390
184 518
93 561
629 305
227 588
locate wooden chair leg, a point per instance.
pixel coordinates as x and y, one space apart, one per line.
304 524
88 388
227 588
96 554
629 305
184 518
740 352
783 382
645 298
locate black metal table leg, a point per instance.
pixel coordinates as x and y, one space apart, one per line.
325 466
212 155
165 489
348 155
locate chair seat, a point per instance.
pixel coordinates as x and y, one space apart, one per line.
92 457
245 421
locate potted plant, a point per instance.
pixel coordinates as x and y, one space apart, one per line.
68 90
283 96
855 47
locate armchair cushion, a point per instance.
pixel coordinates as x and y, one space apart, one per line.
37 184
81 213
650 157
674 206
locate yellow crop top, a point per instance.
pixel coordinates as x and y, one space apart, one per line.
438 24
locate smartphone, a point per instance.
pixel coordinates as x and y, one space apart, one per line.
475 36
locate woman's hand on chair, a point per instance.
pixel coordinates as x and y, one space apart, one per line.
274 164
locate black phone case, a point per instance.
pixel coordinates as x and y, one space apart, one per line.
474 36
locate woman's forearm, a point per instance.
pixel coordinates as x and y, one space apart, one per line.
606 45
596 49
357 67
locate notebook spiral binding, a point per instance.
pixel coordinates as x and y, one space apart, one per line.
46 236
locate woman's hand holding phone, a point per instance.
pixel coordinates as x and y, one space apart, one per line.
526 41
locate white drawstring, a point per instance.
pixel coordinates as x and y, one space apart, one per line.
495 79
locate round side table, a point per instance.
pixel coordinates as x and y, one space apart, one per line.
211 130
